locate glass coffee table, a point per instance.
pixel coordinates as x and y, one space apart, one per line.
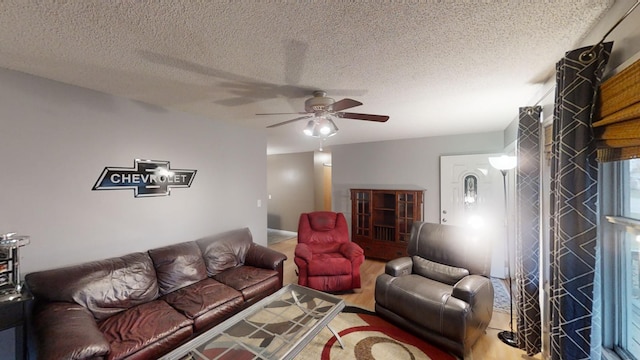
277 327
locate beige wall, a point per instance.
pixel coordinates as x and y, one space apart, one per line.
322 174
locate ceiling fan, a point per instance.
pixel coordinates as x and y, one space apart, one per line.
320 109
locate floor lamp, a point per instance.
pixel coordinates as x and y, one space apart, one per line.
505 163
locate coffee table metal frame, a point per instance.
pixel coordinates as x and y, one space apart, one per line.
294 339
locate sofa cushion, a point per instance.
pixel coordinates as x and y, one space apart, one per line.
249 280
178 265
142 326
226 250
197 299
438 272
105 287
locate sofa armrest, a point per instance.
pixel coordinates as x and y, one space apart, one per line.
263 257
399 267
68 331
351 251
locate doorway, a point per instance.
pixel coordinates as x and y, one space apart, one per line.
471 195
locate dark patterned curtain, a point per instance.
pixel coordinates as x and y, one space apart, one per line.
528 231
574 174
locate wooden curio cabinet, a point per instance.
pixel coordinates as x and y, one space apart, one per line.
381 220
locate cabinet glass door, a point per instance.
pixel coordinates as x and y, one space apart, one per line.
406 202
362 211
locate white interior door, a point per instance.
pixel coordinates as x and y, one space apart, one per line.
471 194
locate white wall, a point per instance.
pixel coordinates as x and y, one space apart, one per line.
55 140
411 163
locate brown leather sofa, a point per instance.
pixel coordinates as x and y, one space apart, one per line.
441 291
143 305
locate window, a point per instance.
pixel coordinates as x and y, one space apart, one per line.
630 262
631 295
626 260
632 177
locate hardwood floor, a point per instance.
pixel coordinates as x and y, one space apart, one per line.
489 347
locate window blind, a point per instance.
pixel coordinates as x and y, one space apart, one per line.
617 130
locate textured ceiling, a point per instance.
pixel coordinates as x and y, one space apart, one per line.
435 67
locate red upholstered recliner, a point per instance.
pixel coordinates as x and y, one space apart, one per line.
327 260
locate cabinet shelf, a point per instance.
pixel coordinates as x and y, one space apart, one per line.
384 226
381 220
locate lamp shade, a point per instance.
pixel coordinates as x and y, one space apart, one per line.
503 162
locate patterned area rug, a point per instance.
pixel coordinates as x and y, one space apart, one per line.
500 295
367 337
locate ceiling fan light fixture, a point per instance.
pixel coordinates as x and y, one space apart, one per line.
320 127
332 126
325 129
308 130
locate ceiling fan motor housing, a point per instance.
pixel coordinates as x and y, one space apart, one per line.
321 106
319 102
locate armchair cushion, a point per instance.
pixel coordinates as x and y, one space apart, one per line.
322 223
329 264
321 248
438 272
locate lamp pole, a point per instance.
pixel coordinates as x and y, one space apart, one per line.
504 164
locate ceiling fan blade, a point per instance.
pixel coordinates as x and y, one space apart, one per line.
368 117
345 104
301 113
290 121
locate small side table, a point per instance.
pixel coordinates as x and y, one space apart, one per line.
13 314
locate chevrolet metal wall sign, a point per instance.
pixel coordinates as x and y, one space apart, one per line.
146 178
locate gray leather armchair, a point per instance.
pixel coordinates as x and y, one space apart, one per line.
441 291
